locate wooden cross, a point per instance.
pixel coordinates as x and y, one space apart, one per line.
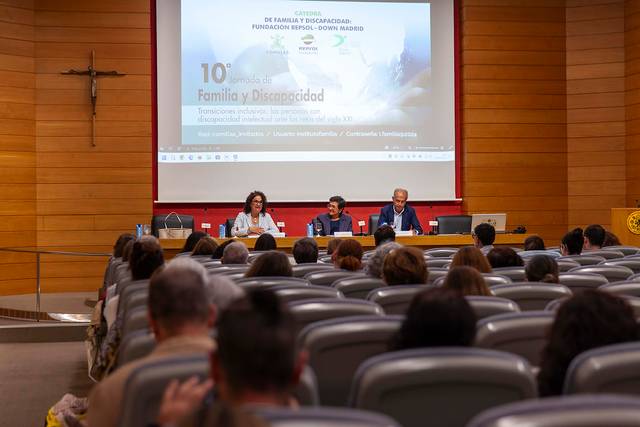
93 86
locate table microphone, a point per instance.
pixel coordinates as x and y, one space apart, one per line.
360 223
278 223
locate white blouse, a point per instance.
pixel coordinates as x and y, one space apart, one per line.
243 222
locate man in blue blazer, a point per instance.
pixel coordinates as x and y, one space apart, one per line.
402 216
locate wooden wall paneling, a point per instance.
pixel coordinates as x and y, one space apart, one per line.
632 101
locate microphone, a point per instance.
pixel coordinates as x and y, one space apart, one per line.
360 224
205 225
279 224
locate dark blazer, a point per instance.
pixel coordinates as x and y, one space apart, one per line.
409 218
325 220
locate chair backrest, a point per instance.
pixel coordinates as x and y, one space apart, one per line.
325 259
531 295
633 264
583 259
516 274
454 224
158 222
288 293
626 250
555 304
634 302
122 275
435 274
250 283
438 262
579 281
338 346
613 273
145 386
622 288
306 392
229 226
566 265
605 253
135 345
635 277
136 320
358 287
440 252
299 270
446 386
609 369
524 334
134 300
326 278
396 299
313 310
493 279
129 289
565 411
323 417
373 223
490 306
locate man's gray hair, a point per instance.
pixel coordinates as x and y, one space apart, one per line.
222 291
187 263
235 253
374 264
401 190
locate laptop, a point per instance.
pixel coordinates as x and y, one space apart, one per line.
498 220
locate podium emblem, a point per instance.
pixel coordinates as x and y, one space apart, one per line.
633 222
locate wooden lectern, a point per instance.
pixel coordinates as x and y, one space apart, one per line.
623 221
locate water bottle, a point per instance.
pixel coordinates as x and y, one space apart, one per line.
222 231
310 230
138 230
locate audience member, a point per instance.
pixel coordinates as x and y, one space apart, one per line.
235 253
534 243
610 239
180 316
373 267
593 237
472 257
192 241
483 237
305 251
502 256
437 317
404 266
572 242
587 320
114 261
205 246
467 281
146 257
266 242
348 255
542 268
332 244
272 263
217 254
384 234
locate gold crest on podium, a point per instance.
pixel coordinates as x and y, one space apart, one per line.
633 222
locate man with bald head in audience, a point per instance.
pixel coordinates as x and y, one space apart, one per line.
180 315
235 253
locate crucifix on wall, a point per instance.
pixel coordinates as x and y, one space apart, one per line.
93 88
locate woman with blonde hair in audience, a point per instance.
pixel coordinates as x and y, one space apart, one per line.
404 266
205 246
348 255
472 257
542 268
467 281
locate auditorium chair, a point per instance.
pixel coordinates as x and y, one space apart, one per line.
130 288
358 287
443 386
253 255
565 265
554 305
582 259
440 252
135 345
136 320
634 278
524 334
489 306
609 369
605 253
250 283
306 392
634 302
579 281
158 222
325 259
437 262
313 310
531 295
397 298
322 417
336 348
589 410
612 273
134 300
491 279
633 264
454 224
326 278
516 274
435 274
122 274
146 384
622 288
373 223
293 292
626 250
299 270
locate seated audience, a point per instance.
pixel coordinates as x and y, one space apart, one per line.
534 243
305 251
191 242
180 317
266 242
272 263
483 237
373 267
332 244
348 255
542 268
593 237
472 257
123 272
405 266
114 261
235 253
384 234
217 254
587 320
205 246
436 317
261 371
610 239
572 242
502 256
467 281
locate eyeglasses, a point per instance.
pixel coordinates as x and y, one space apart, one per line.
256 202
329 206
